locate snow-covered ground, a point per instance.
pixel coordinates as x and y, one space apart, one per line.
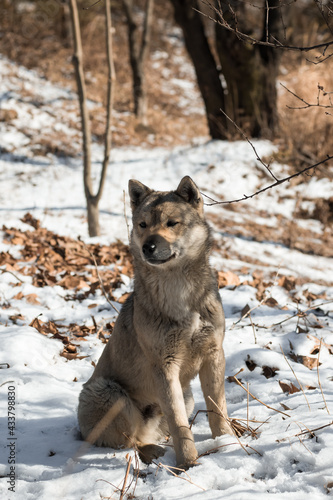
273 350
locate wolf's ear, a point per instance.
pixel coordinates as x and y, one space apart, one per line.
137 192
189 191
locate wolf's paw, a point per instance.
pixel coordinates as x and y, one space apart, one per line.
149 452
184 467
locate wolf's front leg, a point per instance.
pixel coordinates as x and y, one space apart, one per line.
212 382
173 406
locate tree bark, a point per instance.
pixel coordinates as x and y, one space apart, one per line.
204 64
250 70
138 55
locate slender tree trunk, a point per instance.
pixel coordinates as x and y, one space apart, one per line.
138 55
204 64
92 200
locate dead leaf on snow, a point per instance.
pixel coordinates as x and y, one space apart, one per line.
271 302
329 486
288 388
29 219
36 323
227 278
250 364
123 298
309 362
269 372
287 282
315 349
32 298
245 310
305 360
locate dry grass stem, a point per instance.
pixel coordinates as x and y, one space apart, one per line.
253 329
122 493
215 450
299 314
236 424
178 471
321 389
259 401
100 280
126 219
247 405
299 383
230 423
312 431
125 215
2 271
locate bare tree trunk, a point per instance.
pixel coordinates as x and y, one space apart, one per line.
250 70
204 64
92 200
138 55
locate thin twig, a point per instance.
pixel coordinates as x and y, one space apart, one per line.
322 392
125 215
267 167
299 314
122 493
259 401
214 450
254 329
100 279
295 377
306 104
247 405
228 420
171 469
245 37
10 272
273 185
312 431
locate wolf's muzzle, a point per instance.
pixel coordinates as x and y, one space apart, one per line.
156 250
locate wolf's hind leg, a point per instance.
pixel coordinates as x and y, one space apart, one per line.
107 416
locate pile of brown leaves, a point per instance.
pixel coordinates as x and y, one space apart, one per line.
59 260
79 268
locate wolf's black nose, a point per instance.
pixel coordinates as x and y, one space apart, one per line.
149 248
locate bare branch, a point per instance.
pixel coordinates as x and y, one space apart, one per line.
275 184
252 146
248 38
307 104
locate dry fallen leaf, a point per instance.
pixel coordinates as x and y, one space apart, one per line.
227 278
287 282
271 302
269 372
32 298
123 298
288 388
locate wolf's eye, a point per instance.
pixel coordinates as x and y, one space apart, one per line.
143 225
171 223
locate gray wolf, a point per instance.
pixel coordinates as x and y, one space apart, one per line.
170 329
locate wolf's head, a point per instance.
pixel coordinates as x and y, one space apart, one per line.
168 226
